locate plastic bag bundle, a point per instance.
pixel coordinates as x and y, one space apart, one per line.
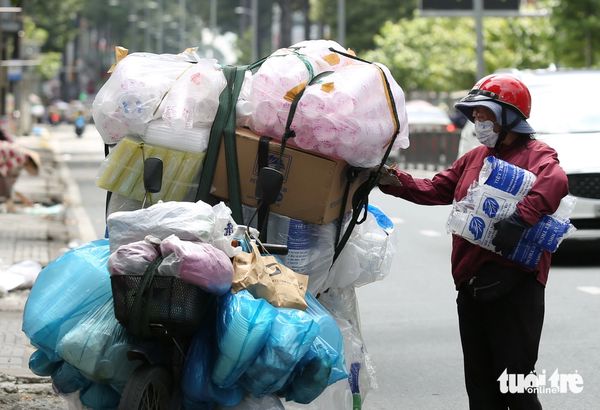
161 134
64 292
132 258
323 364
348 115
196 385
292 334
97 346
123 171
369 252
130 98
190 221
243 326
282 76
200 264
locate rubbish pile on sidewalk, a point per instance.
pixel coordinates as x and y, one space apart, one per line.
257 296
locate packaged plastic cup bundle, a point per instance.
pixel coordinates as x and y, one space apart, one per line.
292 333
243 326
130 98
495 196
285 73
348 115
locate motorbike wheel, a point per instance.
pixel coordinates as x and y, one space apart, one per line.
149 388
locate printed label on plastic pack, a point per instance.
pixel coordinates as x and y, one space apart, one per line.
507 177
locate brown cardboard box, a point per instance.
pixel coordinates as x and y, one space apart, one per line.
313 186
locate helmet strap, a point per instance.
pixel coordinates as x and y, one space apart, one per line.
504 129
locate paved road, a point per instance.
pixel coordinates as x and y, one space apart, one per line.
410 325
409 319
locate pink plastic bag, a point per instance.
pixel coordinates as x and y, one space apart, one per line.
197 263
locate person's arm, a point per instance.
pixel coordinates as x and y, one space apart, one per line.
438 190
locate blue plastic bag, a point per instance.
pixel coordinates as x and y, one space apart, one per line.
67 379
98 347
243 325
323 364
65 290
100 397
41 365
292 334
199 391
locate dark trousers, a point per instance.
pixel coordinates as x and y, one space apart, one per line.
498 335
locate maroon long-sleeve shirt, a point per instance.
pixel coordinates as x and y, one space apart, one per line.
451 184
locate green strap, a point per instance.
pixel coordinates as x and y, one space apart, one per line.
233 172
224 128
139 316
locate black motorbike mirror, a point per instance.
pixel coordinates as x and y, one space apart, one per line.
153 174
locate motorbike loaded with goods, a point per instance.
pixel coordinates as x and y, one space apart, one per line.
238 228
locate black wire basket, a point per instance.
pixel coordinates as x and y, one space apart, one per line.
150 303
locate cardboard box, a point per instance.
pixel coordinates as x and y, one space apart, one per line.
313 186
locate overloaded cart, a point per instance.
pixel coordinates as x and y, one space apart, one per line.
238 228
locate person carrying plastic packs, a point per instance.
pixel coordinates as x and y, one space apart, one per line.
500 303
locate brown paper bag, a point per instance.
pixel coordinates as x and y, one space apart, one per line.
268 279
249 273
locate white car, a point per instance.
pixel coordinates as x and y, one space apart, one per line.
566 115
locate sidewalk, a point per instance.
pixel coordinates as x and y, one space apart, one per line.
38 235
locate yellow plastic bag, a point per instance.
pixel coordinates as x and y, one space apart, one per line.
122 171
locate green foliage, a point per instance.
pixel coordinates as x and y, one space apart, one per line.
577 24
57 17
363 18
50 65
438 53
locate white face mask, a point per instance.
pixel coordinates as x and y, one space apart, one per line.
484 131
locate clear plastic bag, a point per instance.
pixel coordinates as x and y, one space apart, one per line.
243 326
64 292
268 402
368 254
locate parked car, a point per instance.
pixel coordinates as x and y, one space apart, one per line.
566 115
426 117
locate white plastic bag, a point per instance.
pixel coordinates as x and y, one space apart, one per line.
192 221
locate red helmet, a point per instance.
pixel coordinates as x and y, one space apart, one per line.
504 89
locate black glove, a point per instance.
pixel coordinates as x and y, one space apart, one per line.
508 234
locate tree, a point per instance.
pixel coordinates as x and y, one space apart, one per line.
577 32
363 18
438 53
57 17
